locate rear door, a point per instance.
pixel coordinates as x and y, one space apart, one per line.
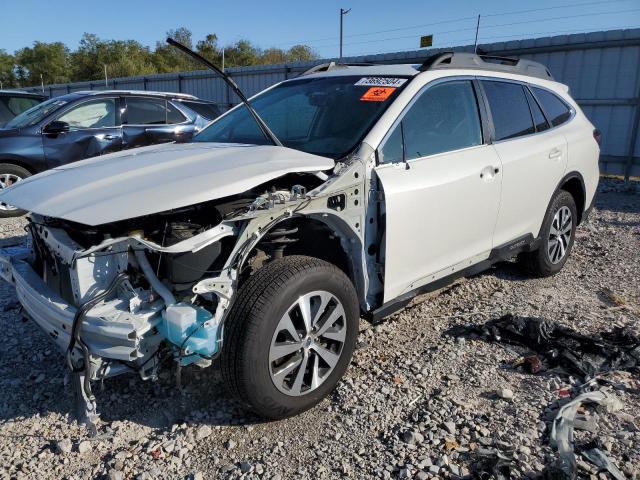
149 120
441 183
533 156
94 129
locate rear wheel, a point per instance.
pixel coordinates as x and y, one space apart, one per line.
290 336
9 175
557 236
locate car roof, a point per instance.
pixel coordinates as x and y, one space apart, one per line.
21 93
439 61
335 69
149 93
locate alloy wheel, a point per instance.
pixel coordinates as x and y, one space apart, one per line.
559 235
307 343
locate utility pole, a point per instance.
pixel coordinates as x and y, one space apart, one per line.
343 12
222 59
106 83
475 45
42 83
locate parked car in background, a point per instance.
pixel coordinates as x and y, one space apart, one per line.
81 125
14 102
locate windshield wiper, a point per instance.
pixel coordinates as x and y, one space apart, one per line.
263 126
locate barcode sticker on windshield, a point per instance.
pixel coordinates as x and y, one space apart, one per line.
380 82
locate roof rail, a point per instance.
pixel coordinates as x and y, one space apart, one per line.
325 67
520 66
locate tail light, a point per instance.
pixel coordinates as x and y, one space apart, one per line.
597 136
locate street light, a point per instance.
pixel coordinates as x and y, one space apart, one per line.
343 12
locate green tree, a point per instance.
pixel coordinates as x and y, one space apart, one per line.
241 54
273 55
7 70
301 53
209 49
51 60
123 58
169 59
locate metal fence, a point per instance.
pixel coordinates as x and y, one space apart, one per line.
601 68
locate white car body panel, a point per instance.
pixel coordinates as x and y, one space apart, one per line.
532 167
439 212
154 179
422 240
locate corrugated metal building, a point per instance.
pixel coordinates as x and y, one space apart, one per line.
601 68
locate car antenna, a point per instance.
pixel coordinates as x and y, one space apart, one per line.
263 126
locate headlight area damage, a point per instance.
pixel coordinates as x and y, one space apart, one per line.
128 296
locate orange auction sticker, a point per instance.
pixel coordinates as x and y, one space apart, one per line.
377 94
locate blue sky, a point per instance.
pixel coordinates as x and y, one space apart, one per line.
370 27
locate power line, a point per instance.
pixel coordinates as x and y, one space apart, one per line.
455 20
553 8
523 36
446 32
560 18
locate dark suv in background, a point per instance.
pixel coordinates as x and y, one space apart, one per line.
81 125
14 102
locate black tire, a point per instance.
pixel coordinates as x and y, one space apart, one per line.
538 262
262 301
21 173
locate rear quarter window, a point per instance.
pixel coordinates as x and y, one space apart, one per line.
556 110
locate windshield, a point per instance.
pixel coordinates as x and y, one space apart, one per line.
35 114
326 116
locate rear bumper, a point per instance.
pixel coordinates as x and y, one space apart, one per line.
109 330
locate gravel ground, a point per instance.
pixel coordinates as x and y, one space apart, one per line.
414 404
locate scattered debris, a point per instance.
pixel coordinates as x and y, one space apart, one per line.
491 464
561 438
600 460
562 348
505 393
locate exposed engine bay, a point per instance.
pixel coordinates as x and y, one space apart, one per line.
134 295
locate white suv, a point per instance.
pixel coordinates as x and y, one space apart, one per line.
265 246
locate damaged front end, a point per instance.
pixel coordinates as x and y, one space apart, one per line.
131 295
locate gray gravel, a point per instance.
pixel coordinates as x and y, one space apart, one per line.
414 404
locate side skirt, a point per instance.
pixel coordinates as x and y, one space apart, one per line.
526 243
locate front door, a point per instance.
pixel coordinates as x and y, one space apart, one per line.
441 185
93 130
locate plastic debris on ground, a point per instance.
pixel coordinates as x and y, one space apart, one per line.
561 348
566 352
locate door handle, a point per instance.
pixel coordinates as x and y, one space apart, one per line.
109 137
555 154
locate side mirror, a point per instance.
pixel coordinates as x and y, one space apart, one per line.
56 127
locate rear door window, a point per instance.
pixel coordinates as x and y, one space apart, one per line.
556 110
538 117
174 115
509 109
150 111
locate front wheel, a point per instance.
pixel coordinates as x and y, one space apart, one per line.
290 336
556 237
10 174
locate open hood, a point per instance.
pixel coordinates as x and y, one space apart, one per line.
154 179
